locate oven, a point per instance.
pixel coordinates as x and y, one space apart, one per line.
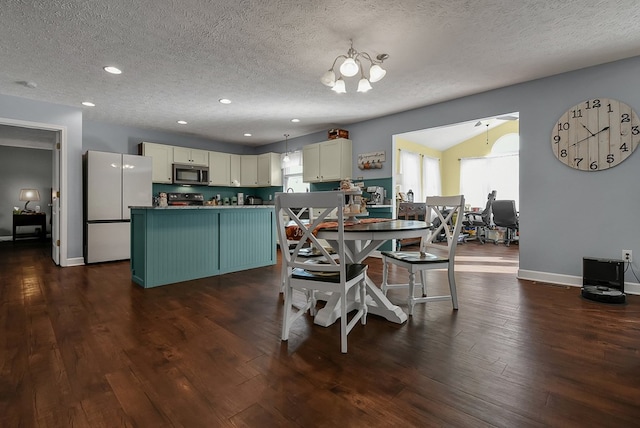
184 199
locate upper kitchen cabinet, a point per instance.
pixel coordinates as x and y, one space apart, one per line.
327 161
219 169
186 155
248 170
269 170
162 156
235 170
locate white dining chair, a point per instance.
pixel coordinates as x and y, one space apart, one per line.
446 214
328 272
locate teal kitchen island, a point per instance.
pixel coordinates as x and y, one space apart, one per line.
175 244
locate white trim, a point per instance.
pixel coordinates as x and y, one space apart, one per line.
76 261
62 212
570 280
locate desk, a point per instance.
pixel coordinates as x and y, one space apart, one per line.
35 219
361 240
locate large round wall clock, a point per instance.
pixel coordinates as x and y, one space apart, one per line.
596 134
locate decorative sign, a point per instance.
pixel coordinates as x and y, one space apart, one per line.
371 160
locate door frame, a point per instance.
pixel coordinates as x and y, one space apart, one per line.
60 171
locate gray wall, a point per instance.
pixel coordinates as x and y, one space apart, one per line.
122 139
23 168
17 108
565 214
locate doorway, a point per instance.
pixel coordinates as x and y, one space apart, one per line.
451 146
39 136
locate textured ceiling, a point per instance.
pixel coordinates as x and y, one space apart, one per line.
179 57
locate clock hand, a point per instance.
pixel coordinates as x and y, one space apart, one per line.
580 141
592 134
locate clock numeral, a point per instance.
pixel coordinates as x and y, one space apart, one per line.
593 165
624 148
563 126
610 109
610 158
576 113
563 153
635 130
556 138
593 104
625 118
577 161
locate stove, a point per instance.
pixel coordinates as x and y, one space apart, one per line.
185 199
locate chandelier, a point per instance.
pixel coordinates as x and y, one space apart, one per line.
352 64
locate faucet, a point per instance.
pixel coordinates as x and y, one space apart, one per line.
290 188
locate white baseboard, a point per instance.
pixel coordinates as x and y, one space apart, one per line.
76 261
573 281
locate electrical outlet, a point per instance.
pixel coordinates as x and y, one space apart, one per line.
627 256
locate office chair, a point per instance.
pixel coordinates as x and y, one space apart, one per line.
481 221
505 215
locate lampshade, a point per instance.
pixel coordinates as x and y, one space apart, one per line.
339 87
363 85
352 63
349 67
376 73
29 195
329 78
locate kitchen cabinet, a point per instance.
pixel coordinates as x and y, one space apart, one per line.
327 161
162 161
234 170
186 155
219 169
248 170
269 169
172 244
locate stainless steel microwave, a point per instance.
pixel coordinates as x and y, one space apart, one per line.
190 174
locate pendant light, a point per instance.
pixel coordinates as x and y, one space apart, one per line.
286 158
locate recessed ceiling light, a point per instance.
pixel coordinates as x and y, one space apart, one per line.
295 120
88 104
224 101
247 135
112 70
182 122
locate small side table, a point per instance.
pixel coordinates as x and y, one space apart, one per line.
30 219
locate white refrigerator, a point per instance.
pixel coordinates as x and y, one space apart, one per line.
112 183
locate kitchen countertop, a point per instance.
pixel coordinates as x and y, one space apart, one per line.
200 207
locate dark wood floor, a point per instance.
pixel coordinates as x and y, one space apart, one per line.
84 347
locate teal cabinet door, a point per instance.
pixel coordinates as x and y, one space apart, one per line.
247 239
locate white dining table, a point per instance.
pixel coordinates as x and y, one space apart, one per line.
361 240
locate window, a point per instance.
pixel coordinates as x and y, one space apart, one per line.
499 171
292 173
431 183
420 174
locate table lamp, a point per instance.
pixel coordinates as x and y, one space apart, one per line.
29 195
